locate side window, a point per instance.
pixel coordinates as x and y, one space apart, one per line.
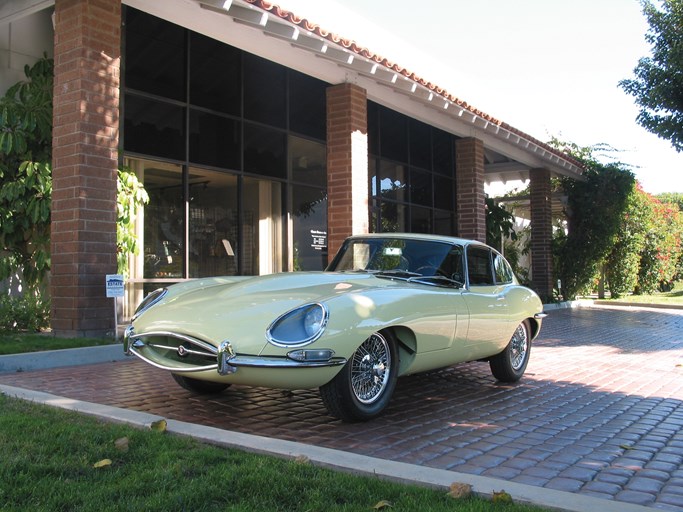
479 268
502 270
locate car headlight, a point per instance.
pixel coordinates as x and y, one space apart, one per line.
299 326
149 301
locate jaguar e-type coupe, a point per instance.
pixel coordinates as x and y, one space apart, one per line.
388 305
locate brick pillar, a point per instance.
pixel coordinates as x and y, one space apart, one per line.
471 199
84 164
347 164
541 233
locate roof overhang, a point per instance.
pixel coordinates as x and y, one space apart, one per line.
266 30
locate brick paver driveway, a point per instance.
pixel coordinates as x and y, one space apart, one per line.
599 411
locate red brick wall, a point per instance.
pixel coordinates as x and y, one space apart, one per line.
471 200
541 233
85 142
347 160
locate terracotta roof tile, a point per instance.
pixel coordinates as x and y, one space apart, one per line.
351 45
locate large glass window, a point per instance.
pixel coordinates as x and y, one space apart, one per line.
164 220
214 140
265 98
215 75
261 227
155 55
307 161
154 127
412 174
213 223
309 228
231 148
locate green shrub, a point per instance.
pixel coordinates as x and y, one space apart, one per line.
24 313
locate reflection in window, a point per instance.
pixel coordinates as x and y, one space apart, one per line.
155 55
215 74
213 224
261 227
309 228
265 82
164 235
479 266
308 161
265 151
214 140
394 181
154 128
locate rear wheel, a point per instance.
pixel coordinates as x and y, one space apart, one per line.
363 388
203 387
510 364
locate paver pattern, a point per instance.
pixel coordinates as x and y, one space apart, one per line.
599 411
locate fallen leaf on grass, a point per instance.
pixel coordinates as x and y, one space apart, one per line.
459 490
158 426
501 497
121 444
382 504
302 459
102 464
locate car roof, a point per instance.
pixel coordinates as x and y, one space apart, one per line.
421 236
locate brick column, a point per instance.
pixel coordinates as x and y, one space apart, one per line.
347 164
541 233
471 199
84 164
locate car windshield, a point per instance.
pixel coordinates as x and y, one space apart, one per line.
402 258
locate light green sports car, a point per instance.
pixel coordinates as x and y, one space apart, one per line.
388 305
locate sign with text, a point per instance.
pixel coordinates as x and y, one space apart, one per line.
114 285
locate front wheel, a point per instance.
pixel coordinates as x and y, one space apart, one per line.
363 388
202 387
510 364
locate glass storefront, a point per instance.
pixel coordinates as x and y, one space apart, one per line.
412 174
231 150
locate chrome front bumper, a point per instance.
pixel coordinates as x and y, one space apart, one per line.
181 353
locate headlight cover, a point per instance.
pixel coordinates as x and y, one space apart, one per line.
149 301
298 327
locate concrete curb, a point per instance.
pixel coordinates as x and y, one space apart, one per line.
335 459
59 358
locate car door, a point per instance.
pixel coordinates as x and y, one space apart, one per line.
485 297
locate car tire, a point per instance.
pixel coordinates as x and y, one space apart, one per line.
363 388
202 387
510 364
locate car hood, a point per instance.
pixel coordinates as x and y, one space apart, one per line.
241 310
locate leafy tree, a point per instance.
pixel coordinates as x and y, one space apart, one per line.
658 82
672 198
26 182
623 263
25 174
131 195
593 215
500 223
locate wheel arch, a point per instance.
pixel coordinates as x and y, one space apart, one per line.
406 343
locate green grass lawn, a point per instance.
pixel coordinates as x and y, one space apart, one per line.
49 458
18 342
672 298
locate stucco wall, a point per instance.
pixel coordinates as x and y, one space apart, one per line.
23 42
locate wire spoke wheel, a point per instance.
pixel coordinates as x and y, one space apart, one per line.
370 368
519 344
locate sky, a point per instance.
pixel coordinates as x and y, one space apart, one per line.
546 67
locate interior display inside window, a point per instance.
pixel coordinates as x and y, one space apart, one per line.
213 223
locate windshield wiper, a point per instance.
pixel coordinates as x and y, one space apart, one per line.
443 280
395 272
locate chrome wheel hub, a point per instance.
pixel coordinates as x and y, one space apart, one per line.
370 367
519 346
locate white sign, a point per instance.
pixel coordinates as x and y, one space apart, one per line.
114 284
